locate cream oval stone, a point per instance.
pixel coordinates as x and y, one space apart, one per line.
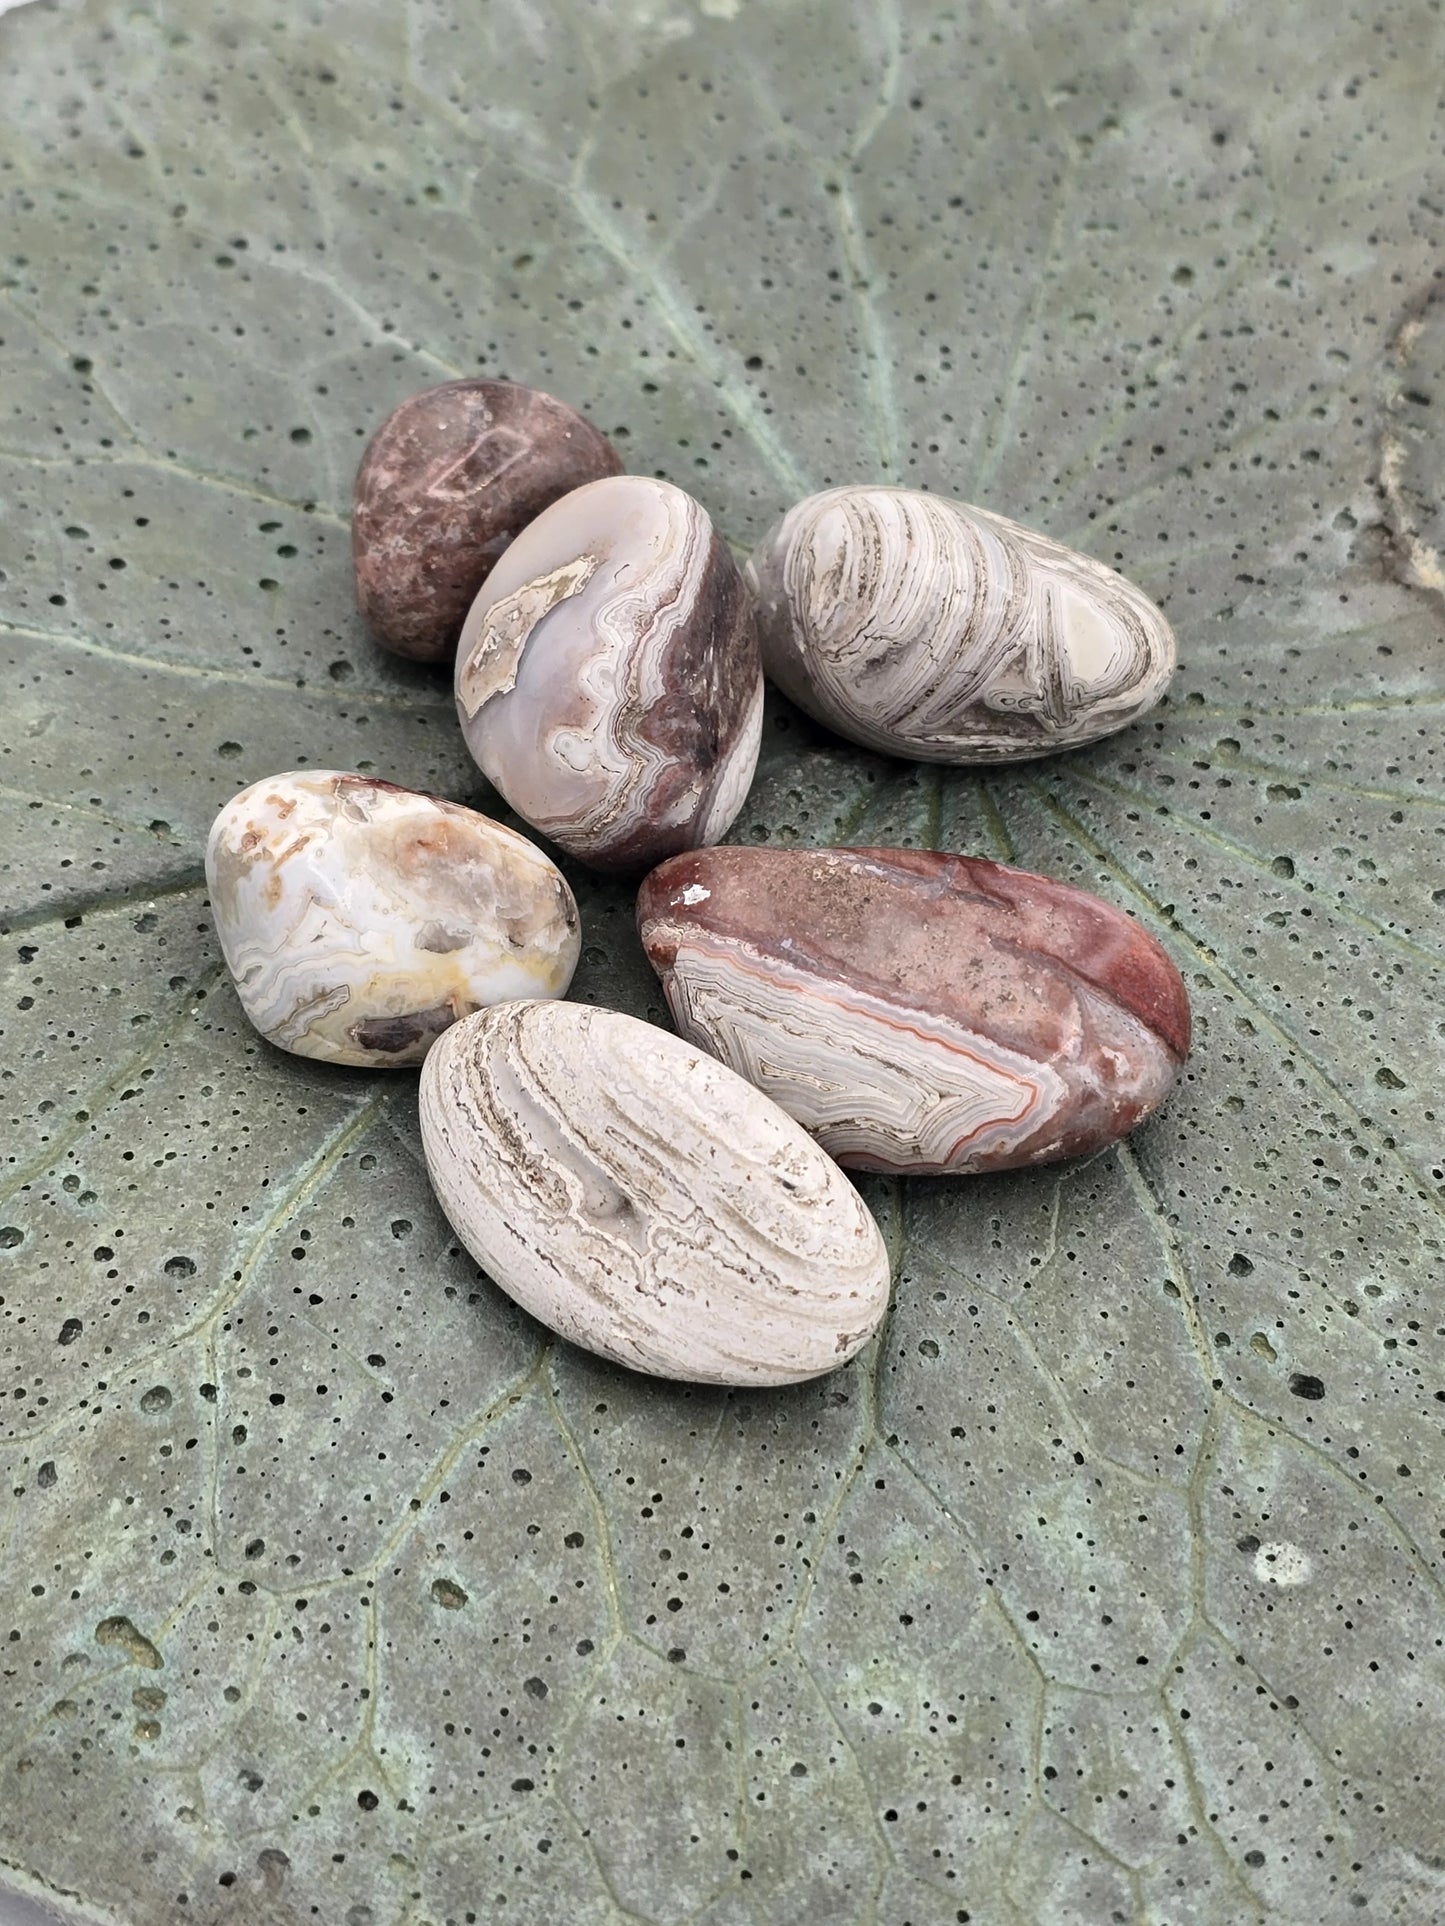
928 628
643 1201
360 920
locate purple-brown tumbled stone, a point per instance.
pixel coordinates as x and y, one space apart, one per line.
919 1011
447 481
608 680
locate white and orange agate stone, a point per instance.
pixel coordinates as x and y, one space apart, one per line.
360 920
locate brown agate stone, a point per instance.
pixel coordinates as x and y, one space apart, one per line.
449 478
918 1011
608 680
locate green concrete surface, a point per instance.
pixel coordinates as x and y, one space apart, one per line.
1106 1586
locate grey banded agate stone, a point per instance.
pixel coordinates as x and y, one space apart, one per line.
645 1202
927 628
360 920
608 678
447 481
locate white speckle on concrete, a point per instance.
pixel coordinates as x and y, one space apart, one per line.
1281 1563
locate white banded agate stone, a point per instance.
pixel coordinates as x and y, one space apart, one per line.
644 1202
916 1011
608 679
926 628
359 920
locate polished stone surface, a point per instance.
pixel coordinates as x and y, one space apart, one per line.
452 476
916 1011
359 920
646 1203
608 679
931 629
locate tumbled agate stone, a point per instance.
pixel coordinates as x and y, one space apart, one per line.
916 1011
608 679
926 628
447 481
360 920
645 1202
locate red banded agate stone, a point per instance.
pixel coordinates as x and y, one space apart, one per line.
918 1011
